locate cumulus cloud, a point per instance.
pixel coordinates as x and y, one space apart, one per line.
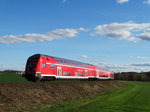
145 35
127 31
49 36
146 2
122 1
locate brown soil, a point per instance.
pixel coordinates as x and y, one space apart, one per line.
28 96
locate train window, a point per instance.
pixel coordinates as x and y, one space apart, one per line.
57 61
68 62
52 66
73 63
77 64
61 61
79 74
67 73
43 65
65 62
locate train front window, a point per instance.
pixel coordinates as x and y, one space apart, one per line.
31 66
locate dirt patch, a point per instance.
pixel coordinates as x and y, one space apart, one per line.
27 96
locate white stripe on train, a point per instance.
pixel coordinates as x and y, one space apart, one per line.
68 77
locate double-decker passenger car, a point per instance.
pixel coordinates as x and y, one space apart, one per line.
44 67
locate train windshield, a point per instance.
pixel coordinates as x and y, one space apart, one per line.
31 65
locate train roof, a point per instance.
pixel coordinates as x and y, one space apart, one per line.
39 55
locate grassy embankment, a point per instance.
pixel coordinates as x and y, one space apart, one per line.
11 78
135 97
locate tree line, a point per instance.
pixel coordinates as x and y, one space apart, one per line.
133 76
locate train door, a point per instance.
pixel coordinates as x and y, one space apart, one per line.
86 73
59 71
97 73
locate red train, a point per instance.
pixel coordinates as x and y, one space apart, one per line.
44 67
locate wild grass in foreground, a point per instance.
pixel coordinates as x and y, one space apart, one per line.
134 97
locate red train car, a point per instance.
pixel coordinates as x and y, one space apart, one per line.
44 67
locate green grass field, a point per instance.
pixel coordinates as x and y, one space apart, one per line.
135 97
11 78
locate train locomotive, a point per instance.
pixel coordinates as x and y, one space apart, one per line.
44 67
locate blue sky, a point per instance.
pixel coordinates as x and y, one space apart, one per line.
113 34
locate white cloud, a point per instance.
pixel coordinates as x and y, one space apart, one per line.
146 2
139 57
145 35
49 36
132 67
122 1
83 56
127 31
64 1
141 64
105 56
